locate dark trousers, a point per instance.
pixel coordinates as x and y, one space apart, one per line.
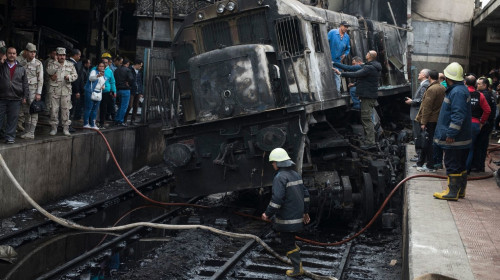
287 242
438 154
106 107
133 104
78 105
427 154
454 160
417 134
481 147
9 109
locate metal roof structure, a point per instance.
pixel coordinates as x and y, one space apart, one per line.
486 39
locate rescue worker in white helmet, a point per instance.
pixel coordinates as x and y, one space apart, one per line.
289 205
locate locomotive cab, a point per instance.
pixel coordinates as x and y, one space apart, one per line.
234 81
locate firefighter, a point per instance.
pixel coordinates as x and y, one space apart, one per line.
289 205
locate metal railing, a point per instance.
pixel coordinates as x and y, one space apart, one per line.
157 74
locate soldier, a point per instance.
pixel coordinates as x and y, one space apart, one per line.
50 58
34 73
62 73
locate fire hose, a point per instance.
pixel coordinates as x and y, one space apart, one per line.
72 225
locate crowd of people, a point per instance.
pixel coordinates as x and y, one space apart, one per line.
66 86
452 114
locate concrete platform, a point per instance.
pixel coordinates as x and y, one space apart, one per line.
53 167
460 239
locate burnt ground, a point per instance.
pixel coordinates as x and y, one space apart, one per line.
30 217
183 254
176 259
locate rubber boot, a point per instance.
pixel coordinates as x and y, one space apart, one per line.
30 132
451 193
294 256
463 184
53 130
66 131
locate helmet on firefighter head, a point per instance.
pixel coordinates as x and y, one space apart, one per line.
454 72
106 55
280 156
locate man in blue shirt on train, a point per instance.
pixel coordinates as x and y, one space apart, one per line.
339 46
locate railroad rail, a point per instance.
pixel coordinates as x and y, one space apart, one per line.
81 212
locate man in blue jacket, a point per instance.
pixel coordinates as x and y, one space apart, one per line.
290 206
339 45
357 63
453 132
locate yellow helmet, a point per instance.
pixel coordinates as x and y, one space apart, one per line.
278 155
454 72
106 55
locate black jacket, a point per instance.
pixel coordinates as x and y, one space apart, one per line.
136 87
123 78
289 202
79 83
15 89
367 85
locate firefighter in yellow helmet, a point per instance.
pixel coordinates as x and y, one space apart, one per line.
453 132
106 55
289 207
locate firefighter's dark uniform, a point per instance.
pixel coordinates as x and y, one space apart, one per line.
289 203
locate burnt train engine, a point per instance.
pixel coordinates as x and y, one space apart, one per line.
253 75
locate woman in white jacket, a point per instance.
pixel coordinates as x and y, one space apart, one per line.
93 90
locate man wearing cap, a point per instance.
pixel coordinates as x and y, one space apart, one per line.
453 132
62 73
34 72
13 91
289 205
339 46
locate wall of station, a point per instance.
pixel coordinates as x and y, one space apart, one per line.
53 168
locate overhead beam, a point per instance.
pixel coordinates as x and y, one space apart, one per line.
487 11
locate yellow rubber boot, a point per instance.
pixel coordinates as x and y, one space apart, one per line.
444 191
453 190
294 256
293 273
463 184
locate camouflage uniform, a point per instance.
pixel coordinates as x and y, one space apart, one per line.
60 92
46 80
34 72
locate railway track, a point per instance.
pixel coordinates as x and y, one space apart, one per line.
43 225
143 253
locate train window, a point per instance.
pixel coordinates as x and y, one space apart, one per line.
288 34
216 35
317 37
252 29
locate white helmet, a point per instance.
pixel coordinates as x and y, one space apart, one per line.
280 156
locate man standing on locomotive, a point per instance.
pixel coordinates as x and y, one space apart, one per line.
340 46
367 91
290 206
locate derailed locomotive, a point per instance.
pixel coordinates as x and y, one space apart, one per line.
253 75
